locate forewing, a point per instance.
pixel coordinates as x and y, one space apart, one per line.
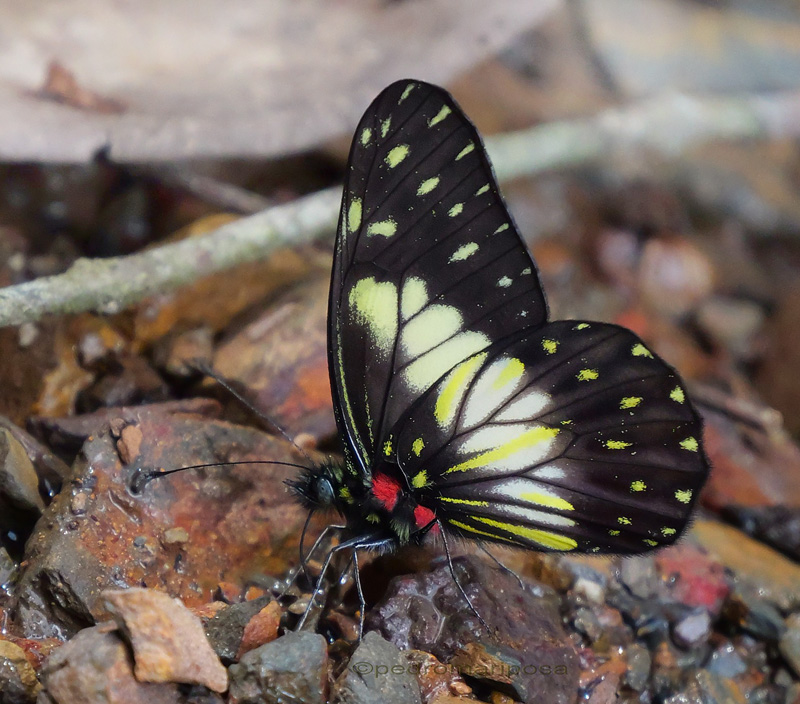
428 268
571 437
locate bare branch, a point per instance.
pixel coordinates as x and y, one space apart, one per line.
667 125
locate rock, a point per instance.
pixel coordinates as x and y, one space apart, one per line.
692 577
427 612
747 610
692 629
18 682
790 643
778 526
226 629
638 574
674 275
175 352
436 680
168 641
281 358
20 503
726 662
293 668
774 577
377 672
8 569
128 381
51 470
639 662
233 516
95 668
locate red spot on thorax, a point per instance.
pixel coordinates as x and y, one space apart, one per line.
423 516
386 490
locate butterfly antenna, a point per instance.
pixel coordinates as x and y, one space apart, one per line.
204 368
142 477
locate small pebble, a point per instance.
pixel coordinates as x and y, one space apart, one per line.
693 629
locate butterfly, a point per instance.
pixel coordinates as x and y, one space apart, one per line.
463 410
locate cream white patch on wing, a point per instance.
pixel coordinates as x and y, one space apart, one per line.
430 327
414 297
424 371
525 406
495 385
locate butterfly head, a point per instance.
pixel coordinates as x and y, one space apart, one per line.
316 487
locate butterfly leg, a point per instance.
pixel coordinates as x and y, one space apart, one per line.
359 542
305 557
503 567
362 603
455 578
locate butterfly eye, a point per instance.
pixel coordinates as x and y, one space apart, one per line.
324 493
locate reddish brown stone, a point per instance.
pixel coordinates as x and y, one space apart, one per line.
239 520
168 641
281 358
693 577
262 628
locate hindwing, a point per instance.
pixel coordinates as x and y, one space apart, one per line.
571 437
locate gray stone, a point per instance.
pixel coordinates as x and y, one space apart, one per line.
293 668
377 672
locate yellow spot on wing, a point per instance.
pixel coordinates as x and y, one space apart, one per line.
587 375
550 346
427 185
639 350
677 395
613 532
464 251
466 150
530 438
463 502
482 190
542 499
630 402
387 227
385 125
502 228
420 479
387 448
624 520
652 543
684 495
396 155
667 531
504 282
690 444
511 372
554 541
443 113
616 444
407 92
465 526
581 326
375 306
638 485
454 387
366 135
456 210
344 493
417 446
354 215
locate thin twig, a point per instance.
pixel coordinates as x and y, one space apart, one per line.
666 125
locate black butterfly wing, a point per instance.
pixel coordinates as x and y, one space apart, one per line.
570 437
429 268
